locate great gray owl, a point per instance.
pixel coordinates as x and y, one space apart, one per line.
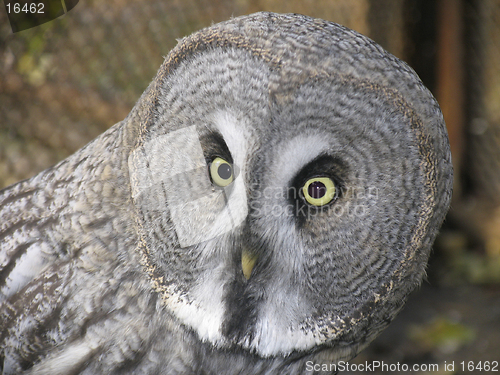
267 205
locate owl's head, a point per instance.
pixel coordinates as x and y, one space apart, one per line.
289 178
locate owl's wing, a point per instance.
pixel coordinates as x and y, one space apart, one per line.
33 275
27 317
71 282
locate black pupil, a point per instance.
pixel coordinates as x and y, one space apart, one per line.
316 190
224 171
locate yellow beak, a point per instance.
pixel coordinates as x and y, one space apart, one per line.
248 261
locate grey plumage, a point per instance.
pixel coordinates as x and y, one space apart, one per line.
128 258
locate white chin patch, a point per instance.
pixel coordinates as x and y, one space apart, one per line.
205 316
272 339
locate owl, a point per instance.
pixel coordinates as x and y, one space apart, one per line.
265 208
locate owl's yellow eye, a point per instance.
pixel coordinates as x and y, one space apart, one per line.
319 191
221 172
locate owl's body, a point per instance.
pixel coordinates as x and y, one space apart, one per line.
267 205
